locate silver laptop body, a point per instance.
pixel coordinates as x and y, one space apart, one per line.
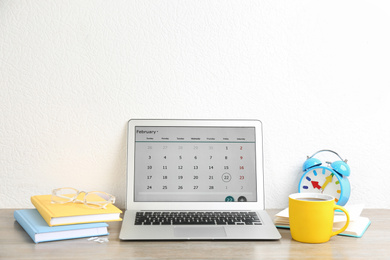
210 171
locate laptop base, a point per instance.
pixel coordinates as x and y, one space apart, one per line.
129 231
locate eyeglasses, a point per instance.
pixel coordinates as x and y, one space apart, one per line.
92 199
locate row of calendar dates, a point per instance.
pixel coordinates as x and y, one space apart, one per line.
183 187
194 182
225 177
193 167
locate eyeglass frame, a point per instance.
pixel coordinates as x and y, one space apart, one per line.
74 199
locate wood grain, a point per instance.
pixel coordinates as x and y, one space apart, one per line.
16 244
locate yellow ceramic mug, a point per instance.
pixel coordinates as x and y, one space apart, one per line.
311 217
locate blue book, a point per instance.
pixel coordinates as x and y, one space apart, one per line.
39 230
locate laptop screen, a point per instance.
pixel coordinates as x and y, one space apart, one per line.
195 164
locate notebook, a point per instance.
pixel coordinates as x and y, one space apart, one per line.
72 213
39 231
195 180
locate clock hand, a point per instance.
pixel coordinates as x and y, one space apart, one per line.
315 185
328 180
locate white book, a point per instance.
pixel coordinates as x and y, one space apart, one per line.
356 228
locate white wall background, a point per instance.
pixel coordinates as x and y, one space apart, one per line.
317 73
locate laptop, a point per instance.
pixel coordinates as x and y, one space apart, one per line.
195 180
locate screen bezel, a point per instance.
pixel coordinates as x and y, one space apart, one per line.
142 205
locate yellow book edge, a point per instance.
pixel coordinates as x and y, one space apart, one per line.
72 213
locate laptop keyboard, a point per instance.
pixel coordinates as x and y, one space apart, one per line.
197 218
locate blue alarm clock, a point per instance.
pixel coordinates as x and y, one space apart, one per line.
331 179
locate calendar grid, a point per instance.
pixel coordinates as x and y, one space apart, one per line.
206 164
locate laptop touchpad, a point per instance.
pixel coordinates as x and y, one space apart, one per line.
198 232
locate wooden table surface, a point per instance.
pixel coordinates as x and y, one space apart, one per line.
375 244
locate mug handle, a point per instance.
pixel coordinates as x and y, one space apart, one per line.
346 224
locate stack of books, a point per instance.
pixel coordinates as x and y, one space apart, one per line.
51 222
356 228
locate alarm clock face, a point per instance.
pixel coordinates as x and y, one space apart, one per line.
321 180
